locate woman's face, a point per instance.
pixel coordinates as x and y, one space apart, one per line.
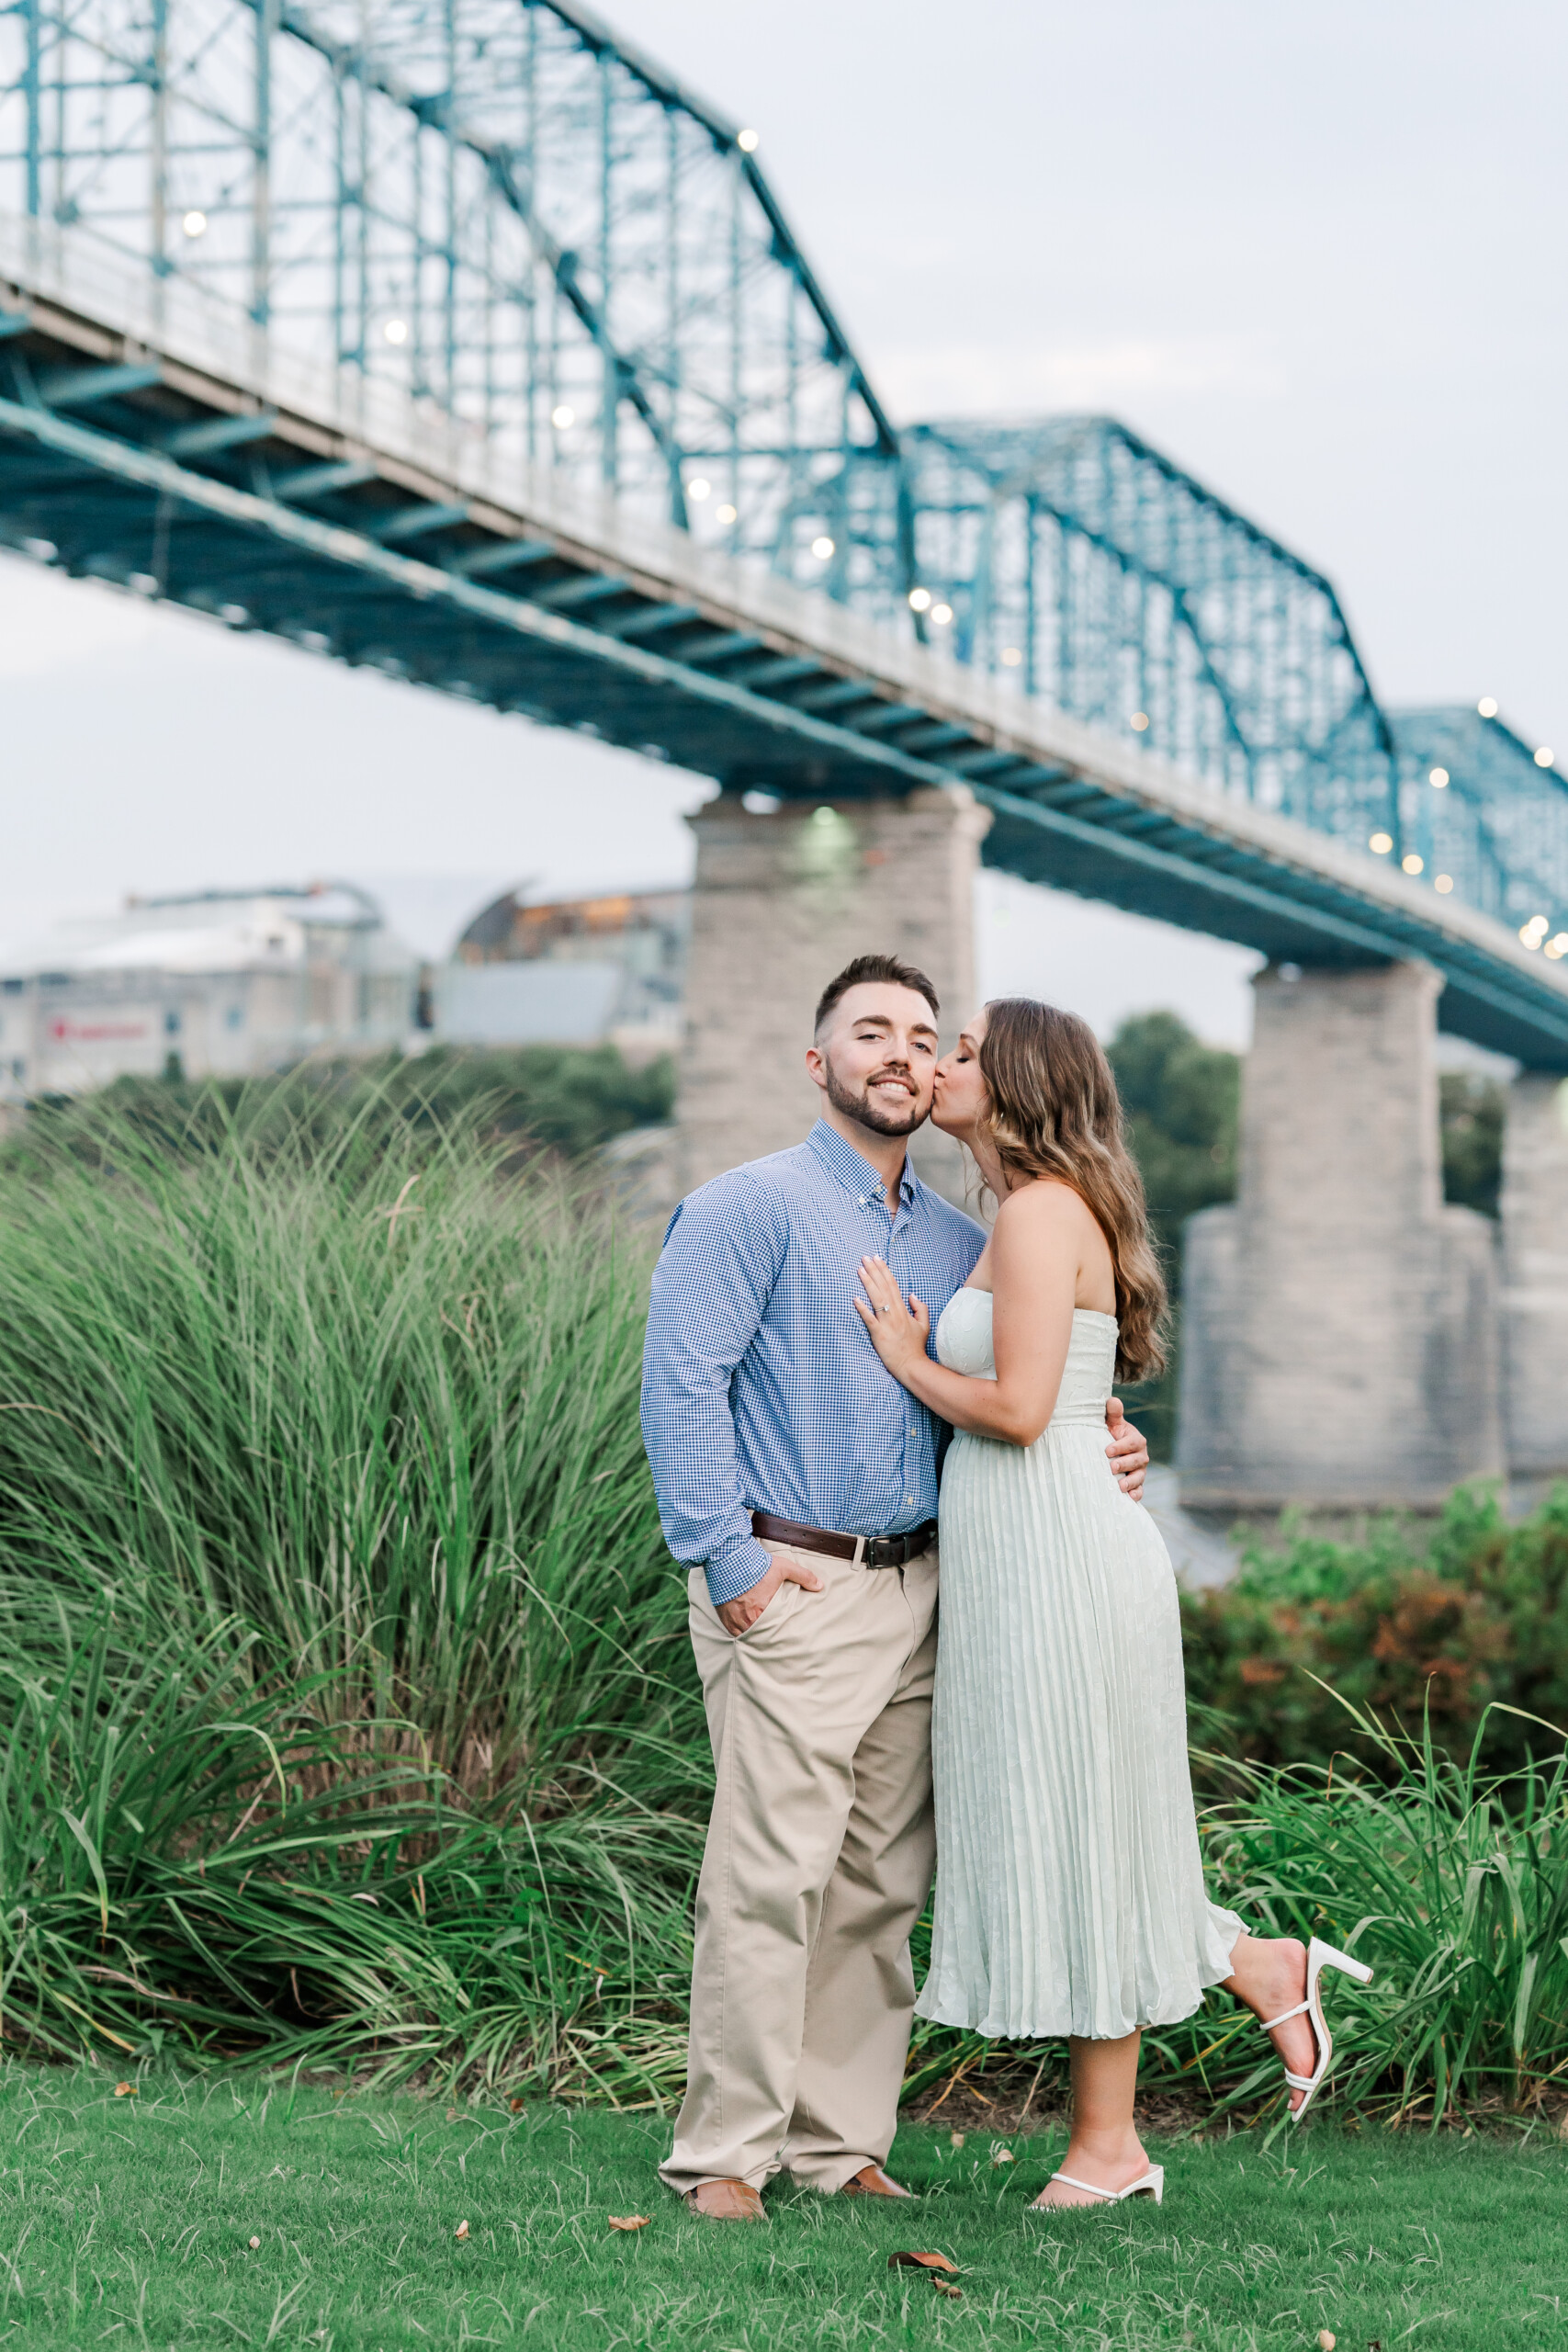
960 1100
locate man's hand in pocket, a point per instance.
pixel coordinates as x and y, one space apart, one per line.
739 1616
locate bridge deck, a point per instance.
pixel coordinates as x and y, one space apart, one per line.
151 439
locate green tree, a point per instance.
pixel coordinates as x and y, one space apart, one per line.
1472 1111
1180 1097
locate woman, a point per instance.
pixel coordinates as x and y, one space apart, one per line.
1070 1897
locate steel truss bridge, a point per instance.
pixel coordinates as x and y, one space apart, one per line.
456 338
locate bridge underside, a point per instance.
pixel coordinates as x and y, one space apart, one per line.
120 463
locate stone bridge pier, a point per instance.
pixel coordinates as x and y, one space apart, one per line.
1341 1339
1534 1276
783 898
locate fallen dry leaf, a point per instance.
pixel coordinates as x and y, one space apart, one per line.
254 2242
1001 2157
956 2138
125 2090
1326 2340
946 2287
462 2229
921 2262
516 2105
628 2220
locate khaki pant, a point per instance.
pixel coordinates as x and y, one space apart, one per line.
818 1860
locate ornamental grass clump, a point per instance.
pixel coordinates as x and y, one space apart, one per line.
1451 1881
345 1667
1451 1878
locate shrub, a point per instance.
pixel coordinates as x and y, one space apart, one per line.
1475 1618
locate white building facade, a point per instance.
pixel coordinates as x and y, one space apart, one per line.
224 984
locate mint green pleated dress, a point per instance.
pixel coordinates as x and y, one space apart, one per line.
1069 1892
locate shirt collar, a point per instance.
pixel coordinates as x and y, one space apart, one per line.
852 1170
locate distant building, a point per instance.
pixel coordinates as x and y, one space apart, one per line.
230 982
572 972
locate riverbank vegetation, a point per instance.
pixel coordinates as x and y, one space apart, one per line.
351 1719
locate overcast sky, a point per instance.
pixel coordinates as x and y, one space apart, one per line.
1315 254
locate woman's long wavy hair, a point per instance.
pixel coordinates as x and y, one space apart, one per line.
1052 1110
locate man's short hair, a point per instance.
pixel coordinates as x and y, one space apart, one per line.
890 970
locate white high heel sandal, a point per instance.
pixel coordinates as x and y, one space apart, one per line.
1319 1957
1151 2185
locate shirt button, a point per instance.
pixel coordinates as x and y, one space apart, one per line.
909 1500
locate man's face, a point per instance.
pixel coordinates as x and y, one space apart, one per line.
875 1058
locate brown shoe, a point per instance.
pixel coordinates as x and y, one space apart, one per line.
726 2200
872 2181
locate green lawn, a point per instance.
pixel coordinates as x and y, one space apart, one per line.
129 2221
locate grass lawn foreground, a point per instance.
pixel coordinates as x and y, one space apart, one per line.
129 2221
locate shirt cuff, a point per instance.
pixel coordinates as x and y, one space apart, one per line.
733 1573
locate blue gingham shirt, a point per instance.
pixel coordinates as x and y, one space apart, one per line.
761 1388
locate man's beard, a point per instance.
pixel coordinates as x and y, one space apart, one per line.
867 1114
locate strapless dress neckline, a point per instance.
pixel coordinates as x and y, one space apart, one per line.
963 1344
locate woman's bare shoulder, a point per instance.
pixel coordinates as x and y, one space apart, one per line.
1046 1201
1044 1223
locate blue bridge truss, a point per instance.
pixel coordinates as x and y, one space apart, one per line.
458 337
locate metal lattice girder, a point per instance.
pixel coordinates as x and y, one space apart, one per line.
456 336
493 204
1487 815
1119 589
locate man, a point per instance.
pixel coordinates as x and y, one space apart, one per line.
800 1481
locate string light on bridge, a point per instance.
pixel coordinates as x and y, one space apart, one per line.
1382 843
1544 757
1139 721
396 330
919 600
1487 706
942 615
748 142
562 418
1414 865
822 548
1012 657
1443 882
1534 931
724 513
1439 779
194 224
698 489
1557 948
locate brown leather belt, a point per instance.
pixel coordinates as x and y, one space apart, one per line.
865 1550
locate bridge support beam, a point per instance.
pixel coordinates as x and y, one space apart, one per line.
1535 1275
783 900
1340 1337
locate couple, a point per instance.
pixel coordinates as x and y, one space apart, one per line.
794 1418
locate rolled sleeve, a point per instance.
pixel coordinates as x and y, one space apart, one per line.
720 1261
